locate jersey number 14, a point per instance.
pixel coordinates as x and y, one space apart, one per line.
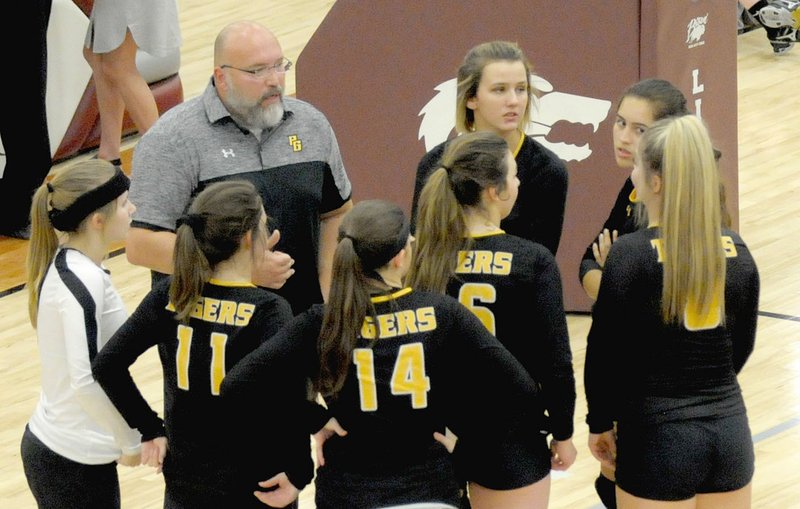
408 376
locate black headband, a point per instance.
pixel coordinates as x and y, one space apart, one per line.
67 220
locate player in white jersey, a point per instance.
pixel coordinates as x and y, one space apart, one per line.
75 437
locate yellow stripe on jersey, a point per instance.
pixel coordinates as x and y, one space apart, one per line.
231 284
394 295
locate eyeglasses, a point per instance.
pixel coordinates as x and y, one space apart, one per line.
262 72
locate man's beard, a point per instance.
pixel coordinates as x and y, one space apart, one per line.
254 116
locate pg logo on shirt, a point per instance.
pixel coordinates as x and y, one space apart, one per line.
295 142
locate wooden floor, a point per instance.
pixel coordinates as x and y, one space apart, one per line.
769 152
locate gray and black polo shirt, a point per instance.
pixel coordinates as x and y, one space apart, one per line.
296 167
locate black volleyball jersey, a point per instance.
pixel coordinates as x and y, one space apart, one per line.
229 321
432 353
513 286
622 218
637 367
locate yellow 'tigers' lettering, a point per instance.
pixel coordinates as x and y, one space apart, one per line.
399 323
693 317
484 262
727 245
221 311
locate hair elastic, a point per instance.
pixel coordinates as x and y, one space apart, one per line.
379 257
197 222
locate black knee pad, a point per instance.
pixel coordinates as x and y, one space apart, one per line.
605 489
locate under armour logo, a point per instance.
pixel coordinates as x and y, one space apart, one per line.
228 152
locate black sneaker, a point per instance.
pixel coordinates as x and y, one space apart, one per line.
781 39
745 21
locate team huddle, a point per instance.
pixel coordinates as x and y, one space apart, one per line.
428 356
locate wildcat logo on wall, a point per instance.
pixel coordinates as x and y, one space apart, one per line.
695 30
438 116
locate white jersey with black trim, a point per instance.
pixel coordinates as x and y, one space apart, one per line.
79 310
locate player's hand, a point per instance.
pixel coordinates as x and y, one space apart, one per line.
331 427
562 454
604 448
153 453
448 440
274 268
603 245
282 492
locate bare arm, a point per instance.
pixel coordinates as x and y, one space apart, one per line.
151 249
328 233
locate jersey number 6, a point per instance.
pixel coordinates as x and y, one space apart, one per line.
471 293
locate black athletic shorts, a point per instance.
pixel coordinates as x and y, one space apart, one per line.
433 480
196 496
678 460
57 482
519 459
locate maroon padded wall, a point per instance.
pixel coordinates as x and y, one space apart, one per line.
372 67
